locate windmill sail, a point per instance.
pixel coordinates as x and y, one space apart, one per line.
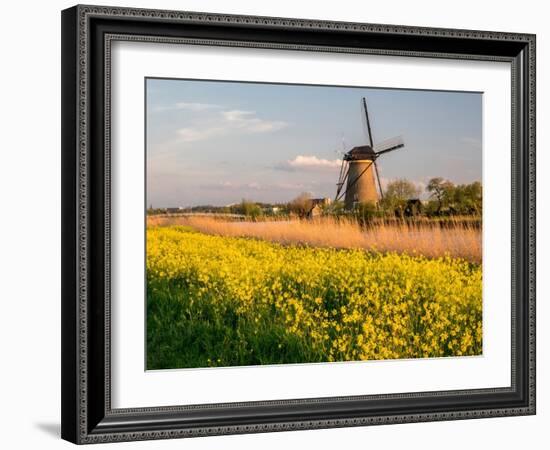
371 139
388 145
378 179
359 174
341 179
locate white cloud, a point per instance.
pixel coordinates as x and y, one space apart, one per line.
198 134
247 121
224 185
189 106
290 186
305 162
236 115
255 186
230 122
196 106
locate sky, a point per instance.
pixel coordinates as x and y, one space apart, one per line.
216 143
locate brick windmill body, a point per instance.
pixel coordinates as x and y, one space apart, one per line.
359 171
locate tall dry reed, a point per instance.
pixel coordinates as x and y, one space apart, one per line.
459 239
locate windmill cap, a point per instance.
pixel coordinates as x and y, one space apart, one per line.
359 153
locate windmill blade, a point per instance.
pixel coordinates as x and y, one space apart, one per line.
378 179
389 145
344 170
344 146
371 139
341 171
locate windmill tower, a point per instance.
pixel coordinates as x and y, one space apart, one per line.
359 170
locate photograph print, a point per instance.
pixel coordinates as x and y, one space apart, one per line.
309 224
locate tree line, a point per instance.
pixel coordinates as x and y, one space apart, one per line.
444 197
401 198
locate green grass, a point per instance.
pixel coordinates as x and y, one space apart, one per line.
182 334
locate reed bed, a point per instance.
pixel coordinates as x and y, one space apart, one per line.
460 239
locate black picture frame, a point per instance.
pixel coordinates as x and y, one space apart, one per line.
87 416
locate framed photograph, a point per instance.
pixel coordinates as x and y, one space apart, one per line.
278 224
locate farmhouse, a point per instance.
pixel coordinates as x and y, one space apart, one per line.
317 205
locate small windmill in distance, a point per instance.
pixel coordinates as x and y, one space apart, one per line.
356 171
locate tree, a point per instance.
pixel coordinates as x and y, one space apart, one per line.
337 207
402 189
365 212
474 194
249 209
397 193
465 198
440 190
301 205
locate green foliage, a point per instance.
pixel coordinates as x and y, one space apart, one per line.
301 205
449 199
154 211
466 198
365 212
249 209
397 194
439 190
402 189
337 207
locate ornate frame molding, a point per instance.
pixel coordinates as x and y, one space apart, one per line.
83 421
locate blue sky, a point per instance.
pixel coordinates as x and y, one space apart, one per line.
211 142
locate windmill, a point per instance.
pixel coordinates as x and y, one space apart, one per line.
359 169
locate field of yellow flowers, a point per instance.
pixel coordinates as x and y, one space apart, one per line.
228 301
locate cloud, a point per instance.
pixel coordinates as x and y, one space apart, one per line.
305 162
255 186
236 115
225 185
189 106
198 134
291 186
196 106
247 121
230 122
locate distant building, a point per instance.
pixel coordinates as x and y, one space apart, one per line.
316 211
325 201
317 205
413 207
